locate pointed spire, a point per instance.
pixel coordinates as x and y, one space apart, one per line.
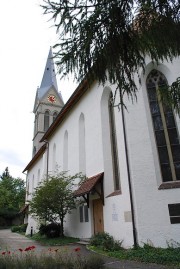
49 77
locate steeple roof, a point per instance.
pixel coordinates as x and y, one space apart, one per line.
48 81
49 77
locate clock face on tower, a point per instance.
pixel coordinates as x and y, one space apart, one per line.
51 98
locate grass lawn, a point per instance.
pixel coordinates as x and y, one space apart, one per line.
169 256
59 241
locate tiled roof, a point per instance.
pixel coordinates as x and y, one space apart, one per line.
88 185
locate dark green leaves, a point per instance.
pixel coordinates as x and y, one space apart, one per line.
53 199
12 195
100 39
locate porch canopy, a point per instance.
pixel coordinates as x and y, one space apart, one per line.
91 185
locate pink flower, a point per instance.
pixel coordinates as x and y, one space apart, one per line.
77 249
29 248
3 253
9 252
20 249
32 247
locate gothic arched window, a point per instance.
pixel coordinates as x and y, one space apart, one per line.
65 151
82 146
54 158
166 134
114 143
46 120
36 124
34 150
54 115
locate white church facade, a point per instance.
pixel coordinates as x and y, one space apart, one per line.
131 158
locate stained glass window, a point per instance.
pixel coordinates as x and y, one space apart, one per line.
166 134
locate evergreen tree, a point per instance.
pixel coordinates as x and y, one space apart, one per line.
12 195
100 39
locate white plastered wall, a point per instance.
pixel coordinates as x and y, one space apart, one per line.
34 176
96 162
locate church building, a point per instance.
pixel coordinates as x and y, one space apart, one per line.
131 157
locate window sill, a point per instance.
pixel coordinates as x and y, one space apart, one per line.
169 185
115 193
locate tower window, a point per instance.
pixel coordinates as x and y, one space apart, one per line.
34 150
166 135
54 115
46 120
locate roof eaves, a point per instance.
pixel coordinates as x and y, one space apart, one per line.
88 185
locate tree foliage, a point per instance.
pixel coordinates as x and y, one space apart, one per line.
53 198
100 39
12 194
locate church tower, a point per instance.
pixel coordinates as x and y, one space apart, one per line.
48 103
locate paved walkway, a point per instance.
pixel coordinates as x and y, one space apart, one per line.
13 242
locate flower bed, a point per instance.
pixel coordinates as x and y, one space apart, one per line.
52 258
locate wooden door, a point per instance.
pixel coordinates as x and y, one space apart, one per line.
98 216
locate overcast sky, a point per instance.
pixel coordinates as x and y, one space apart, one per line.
26 36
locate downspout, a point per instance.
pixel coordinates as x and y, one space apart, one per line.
129 176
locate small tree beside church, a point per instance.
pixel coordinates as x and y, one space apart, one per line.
12 196
53 199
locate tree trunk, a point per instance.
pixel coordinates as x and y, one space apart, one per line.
62 227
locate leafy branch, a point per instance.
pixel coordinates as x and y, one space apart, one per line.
109 39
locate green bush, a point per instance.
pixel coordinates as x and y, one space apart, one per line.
23 228
15 229
105 241
19 228
51 230
147 254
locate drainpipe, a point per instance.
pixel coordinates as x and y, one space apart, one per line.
129 176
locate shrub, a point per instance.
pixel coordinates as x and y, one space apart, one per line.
15 229
23 228
19 228
105 241
51 230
